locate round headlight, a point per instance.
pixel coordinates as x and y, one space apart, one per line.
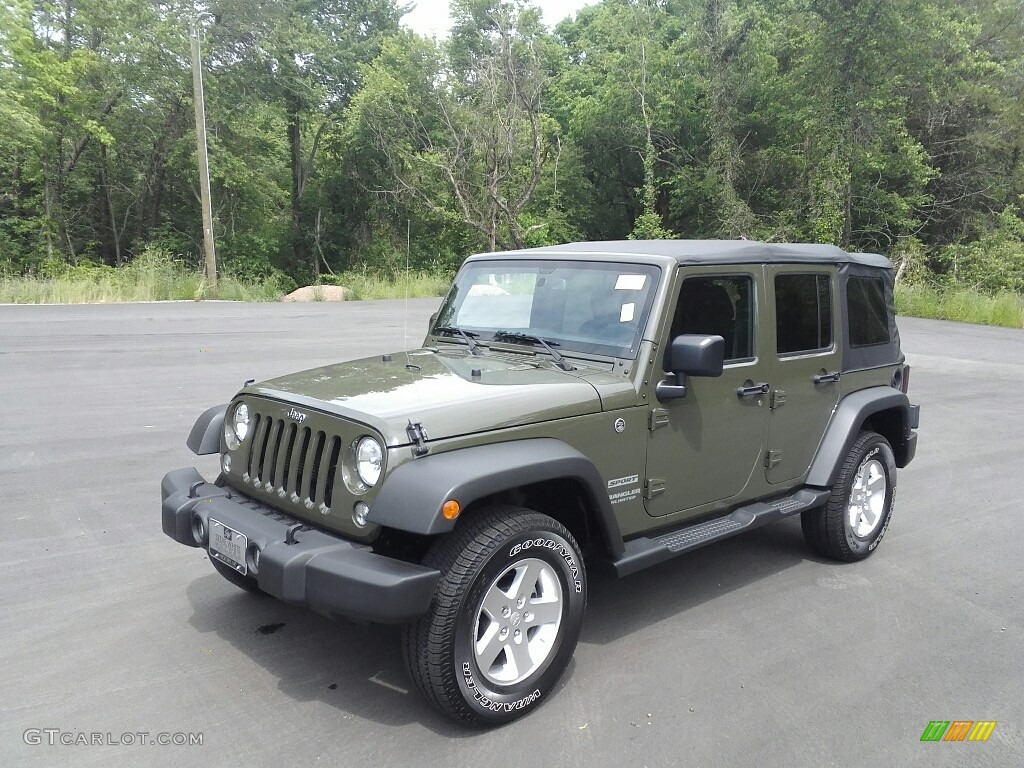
368 460
240 421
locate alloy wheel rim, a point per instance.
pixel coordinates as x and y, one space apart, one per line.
517 622
867 498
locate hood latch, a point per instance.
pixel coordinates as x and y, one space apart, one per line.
418 435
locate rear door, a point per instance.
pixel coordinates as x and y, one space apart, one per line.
805 360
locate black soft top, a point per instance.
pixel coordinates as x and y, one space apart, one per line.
851 267
714 252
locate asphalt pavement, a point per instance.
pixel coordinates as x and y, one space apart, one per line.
751 652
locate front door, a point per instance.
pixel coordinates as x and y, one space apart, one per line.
805 367
706 447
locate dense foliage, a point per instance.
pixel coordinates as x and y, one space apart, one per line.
337 137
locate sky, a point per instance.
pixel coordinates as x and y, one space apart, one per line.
430 17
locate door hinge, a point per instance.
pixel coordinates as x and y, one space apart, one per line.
778 398
659 418
655 485
772 459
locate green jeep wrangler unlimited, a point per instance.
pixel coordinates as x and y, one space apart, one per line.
592 404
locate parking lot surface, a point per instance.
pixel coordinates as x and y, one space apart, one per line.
751 652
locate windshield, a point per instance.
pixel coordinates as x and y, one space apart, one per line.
576 306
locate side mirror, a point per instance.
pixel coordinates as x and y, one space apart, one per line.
691 355
696 355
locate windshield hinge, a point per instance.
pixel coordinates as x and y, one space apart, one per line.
418 435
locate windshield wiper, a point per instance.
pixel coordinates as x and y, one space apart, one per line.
527 338
467 335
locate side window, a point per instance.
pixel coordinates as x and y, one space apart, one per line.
803 313
720 306
869 319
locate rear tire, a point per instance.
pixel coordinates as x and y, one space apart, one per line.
852 523
505 617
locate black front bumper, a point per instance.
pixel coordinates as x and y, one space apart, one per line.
317 570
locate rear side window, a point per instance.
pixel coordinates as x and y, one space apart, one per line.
803 313
869 319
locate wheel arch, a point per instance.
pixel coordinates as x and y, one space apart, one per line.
563 499
544 474
205 435
880 409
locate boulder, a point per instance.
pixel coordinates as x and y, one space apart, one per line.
318 293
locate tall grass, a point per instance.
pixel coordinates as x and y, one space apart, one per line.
153 276
415 285
156 276
965 305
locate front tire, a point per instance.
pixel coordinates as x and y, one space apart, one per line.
852 523
505 617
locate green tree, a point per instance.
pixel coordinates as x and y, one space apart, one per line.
628 103
304 57
461 127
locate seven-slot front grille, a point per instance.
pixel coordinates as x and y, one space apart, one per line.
295 461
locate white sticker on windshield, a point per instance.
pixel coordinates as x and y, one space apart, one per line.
630 282
626 314
486 289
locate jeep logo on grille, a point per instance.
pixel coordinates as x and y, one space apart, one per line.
298 416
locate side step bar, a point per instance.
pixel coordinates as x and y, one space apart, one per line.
647 551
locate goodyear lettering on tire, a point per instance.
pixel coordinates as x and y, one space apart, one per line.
556 547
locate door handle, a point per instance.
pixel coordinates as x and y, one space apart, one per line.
827 378
754 390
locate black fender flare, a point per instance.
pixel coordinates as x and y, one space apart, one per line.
845 426
205 435
411 497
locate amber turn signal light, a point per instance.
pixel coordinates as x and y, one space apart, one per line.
451 509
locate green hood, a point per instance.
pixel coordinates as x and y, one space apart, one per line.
437 390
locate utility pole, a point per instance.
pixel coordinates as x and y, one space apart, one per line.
204 162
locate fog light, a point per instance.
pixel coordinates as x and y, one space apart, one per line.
252 557
225 463
359 513
198 530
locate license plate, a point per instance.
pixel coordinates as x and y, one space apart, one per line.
228 546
